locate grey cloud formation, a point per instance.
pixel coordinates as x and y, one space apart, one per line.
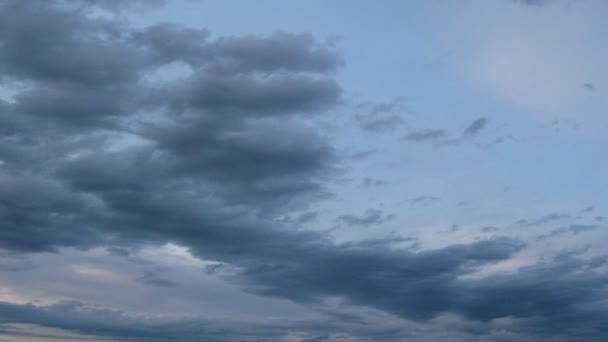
370 183
549 218
574 229
423 200
488 229
92 155
442 137
14 262
382 124
565 307
307 217
118 251
154 279
280 51
588 86
283 51
302 218
45 44
251 95
118 5
577 228
381 276
379 117
370 217
99 321
475 127
426 135
362 155
94 322
533 2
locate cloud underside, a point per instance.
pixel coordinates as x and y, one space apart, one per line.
524 304
95 150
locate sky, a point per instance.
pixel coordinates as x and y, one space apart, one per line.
222 170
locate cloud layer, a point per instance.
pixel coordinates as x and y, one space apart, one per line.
98 149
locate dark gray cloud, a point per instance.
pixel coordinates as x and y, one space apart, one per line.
118 251
39 214
426 135
475 127
280 51
256 163
370 217
44 44
151 278
565 307
307 217
98 321
562 306
14 262
283 51
577 228
489 229
78 71
441 136
248 94
92 155
118 5
94 322
381 124
74 105
302 218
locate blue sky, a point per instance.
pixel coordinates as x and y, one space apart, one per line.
303 170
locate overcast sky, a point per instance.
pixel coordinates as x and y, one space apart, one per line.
344 170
